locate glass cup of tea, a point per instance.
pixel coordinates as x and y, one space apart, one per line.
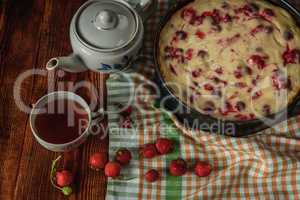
61 121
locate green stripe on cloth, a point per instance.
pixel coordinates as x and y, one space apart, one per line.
171 181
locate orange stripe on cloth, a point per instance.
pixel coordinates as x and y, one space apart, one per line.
149 162
159 160
187 150
232 171
141 160
294 178
226 143
274 141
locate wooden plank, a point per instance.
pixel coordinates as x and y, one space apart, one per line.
53 41
19 51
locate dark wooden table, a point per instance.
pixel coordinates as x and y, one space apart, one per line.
31 32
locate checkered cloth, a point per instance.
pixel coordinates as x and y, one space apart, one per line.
263 166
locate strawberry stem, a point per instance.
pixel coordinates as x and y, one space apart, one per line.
65 190
53 171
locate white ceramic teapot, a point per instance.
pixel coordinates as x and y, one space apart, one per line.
105 35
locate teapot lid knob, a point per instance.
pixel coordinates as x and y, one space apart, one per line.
106 20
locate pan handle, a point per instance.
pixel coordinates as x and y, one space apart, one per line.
145 8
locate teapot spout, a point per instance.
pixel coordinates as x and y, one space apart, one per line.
71 63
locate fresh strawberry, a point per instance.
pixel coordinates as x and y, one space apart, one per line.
178 167
152 175
98 160
148 151
64 178
164 145
202 169
112 169
123 156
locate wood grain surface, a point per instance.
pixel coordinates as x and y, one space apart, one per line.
31 32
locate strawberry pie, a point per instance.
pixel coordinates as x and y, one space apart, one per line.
234 60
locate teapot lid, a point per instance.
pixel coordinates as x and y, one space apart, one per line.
106 24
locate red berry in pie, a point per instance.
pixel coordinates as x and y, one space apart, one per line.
240 106
268 13
288 35
196 73
238 73
189 15
291 56
257 95
257 60
202 54
208 87
267 110
198 20
189 54
209 106
200 34
240 85
182 35
219 70
250 9
227 18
